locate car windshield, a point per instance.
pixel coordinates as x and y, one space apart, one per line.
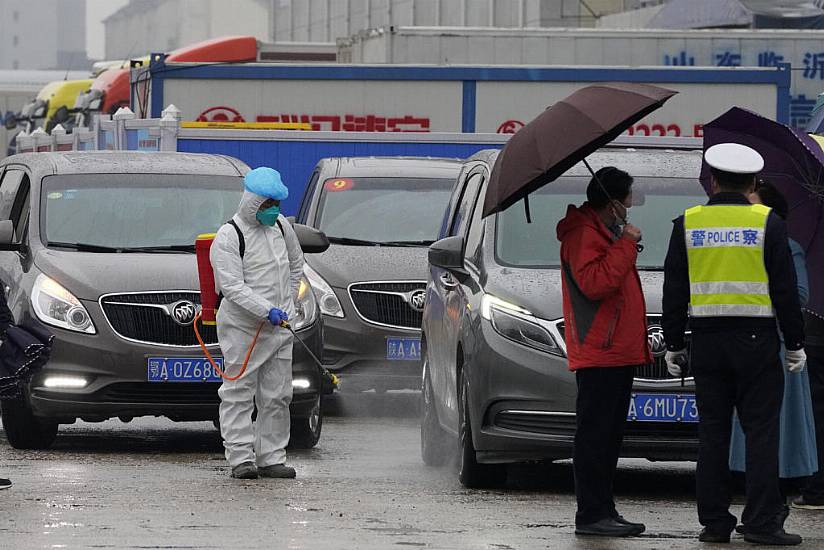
657 201
383 209
135 210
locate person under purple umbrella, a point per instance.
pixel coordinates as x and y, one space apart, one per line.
797 456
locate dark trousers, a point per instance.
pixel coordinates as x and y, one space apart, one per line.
601 416
742 369
814 489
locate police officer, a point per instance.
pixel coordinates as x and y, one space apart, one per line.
729 271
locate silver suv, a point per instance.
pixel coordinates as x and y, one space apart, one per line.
495 378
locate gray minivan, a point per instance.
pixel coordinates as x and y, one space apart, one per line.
98 247
495 378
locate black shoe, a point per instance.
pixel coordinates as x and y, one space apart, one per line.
740 529
5 483
777 538
278 470
247 470
640 526
608 527
804 503
708 535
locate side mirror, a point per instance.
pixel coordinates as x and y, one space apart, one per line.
311 240
7 237
447 254
61 115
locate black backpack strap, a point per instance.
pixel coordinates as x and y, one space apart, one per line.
241 240
280 227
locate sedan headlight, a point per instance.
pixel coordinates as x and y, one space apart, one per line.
328 300
54 305
517 324
306 306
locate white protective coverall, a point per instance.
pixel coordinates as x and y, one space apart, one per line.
268 276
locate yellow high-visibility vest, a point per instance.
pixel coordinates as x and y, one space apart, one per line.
725 252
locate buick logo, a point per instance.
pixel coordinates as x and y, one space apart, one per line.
184 312
657 344
417 300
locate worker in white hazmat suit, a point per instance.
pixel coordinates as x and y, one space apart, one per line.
258 264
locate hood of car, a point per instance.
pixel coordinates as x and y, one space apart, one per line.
90 275
342 265
539 290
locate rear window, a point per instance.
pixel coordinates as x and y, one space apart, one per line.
383 209
657 201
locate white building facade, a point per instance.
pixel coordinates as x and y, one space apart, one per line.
43 34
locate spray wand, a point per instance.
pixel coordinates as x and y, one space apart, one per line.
283 324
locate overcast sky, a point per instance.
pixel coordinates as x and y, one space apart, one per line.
96 11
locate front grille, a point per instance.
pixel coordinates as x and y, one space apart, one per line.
387 303
175 393
655 371
131 318
565 425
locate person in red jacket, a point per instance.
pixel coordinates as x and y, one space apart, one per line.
606 338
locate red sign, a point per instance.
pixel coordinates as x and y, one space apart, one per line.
327 122
510 127
220 114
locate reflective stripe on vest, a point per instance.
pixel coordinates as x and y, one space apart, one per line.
725 251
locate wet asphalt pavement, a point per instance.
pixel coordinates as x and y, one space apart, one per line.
153 483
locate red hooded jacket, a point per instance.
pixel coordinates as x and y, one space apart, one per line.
605 315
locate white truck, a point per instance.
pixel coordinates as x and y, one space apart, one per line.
428 98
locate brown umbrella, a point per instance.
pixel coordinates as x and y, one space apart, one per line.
565 134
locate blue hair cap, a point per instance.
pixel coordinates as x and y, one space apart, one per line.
266 182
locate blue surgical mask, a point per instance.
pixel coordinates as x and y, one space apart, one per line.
268 216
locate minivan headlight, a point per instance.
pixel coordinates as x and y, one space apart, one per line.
54 305
328 300
306 306
517 324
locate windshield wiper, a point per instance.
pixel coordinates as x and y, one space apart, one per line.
353 242
83 247
408 243
168 248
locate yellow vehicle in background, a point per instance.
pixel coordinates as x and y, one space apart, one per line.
53 105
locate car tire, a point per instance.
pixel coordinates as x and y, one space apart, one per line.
23 429
471 474
305 432
435 442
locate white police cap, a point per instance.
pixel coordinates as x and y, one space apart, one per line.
734 158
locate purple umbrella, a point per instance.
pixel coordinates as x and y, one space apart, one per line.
794 163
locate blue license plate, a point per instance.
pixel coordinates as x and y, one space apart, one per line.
403 349
183 369
662 407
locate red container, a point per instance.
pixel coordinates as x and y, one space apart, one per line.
208 296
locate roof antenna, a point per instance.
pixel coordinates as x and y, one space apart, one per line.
69 67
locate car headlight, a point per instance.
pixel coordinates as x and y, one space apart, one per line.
517 324
306 306
328 300
54 305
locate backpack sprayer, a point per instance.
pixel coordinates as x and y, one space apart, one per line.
210 301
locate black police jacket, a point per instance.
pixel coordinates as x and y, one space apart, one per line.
780 269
